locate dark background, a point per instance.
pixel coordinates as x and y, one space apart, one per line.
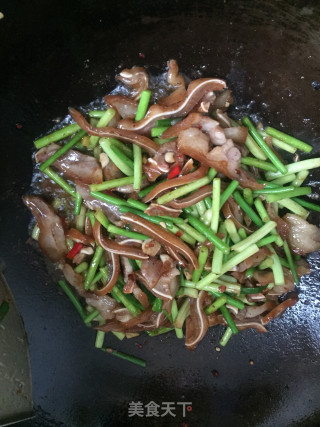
60 53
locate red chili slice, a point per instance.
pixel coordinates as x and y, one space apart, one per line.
174 172
75 250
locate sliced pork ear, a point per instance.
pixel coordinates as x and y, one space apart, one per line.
279 309
175 79
128 189
168 285
257 310
197 120
252 322
75 279
167 306
160 277
303 267
215 319
153 322
223 119
112 278
77 236
283 228
109 169
139 320
187 167
140 295
88 227
205 104
194 198
232 210
151 270
245 324
116 248
126 107
197 323
160 164
113 325
111 211
151 247
51 238
266 277
74 165
45 152
163 236
223 101
176 182
122 314
177 96
255 259
153 170
303 237
225 158
241 277
127 269
105 304
238 134
129 284
146 321
135 78
155 209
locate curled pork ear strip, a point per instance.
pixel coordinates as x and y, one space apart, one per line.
114 276
176 182
114 247
135 78
197 324
195 92
122 134
161 235
194 198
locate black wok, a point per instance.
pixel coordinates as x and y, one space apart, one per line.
61 53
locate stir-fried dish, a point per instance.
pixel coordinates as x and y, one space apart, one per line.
165 214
